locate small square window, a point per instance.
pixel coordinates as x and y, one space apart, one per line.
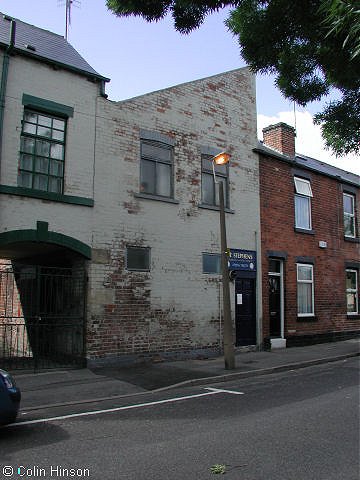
138 258
211 263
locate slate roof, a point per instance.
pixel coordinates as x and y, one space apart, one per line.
48 46
302 161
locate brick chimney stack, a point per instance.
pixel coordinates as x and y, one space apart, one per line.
280 137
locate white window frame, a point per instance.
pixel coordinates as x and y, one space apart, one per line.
298 281
303 190
353 291
351 215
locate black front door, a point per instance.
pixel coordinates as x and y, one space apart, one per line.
245 311
274 306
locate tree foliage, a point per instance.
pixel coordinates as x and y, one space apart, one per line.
311 46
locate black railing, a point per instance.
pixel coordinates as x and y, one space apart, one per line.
41 316
40 344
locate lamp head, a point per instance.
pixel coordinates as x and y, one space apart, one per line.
221 158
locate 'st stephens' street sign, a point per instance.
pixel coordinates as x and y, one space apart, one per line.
244 260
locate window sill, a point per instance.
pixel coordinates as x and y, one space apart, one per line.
303 230
307 318
214 207
53 197
353 316
158 198
352 239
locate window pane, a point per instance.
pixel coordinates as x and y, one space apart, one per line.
224 182
302 212
45 121
41 165
29 128
206 163
147 177
30 117
305 298
211 263
55 185
351 303
58 124
305 272
25 180
156 151
27 145
163 179
137 258
57 151
56 168
348 203
40 182
26 162
351 280
207 187
349 226
44 132
302 187
42 148
274 266
58 135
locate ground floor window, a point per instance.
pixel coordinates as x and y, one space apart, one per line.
352 297
305 290
211 262
138 258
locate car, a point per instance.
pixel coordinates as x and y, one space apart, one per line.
10 397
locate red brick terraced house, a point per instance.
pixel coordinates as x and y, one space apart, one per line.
310 245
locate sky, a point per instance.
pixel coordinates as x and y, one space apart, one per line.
141 57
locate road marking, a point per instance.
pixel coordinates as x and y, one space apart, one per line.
212 391
220 390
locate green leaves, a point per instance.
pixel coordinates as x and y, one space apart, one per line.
218 469
311 46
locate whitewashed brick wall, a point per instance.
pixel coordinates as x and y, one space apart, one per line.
174 306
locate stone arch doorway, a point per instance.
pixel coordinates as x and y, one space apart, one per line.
42 299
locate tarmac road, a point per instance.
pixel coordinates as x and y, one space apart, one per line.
296 425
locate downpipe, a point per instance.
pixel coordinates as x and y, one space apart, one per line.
4 79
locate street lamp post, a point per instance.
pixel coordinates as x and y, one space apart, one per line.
229 357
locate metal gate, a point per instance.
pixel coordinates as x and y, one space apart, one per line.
42 312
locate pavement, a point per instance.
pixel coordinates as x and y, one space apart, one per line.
81 386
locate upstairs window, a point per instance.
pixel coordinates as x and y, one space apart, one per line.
303 194
209 190
349 215
156 168
305 290
352 293
42 152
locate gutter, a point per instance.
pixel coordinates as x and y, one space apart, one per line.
4 78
